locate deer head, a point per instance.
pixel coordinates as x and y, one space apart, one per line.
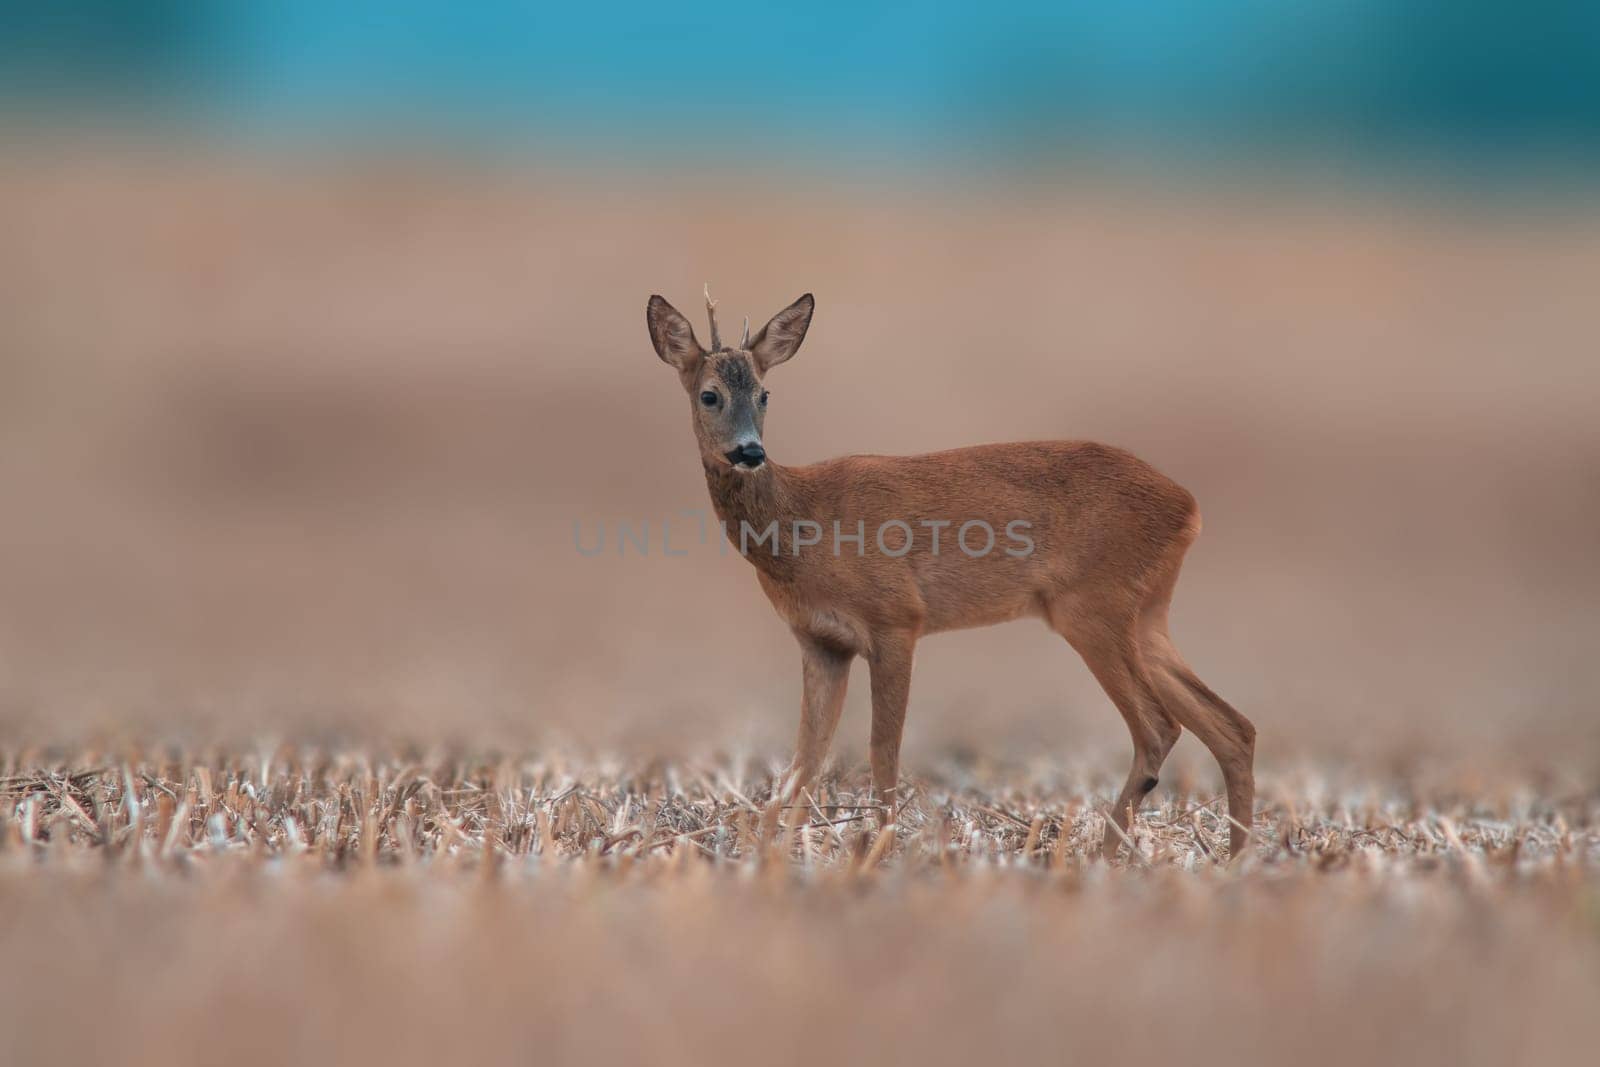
726 396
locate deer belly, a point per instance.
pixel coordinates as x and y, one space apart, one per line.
965 605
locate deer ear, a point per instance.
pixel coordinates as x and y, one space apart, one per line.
780 338
672 335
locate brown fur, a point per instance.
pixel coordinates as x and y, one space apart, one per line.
1109 534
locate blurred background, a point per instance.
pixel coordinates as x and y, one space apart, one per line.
321 329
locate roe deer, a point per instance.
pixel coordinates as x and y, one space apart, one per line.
1105 535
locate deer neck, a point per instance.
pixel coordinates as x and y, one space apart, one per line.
755 500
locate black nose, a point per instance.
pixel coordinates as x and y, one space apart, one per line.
748 456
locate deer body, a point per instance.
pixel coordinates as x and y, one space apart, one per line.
871 553
1075 496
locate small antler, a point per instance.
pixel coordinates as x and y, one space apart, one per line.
744 342
711 313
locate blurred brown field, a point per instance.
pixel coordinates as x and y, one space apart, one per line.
319 738
302 443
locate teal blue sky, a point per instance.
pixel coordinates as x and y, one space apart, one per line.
931 80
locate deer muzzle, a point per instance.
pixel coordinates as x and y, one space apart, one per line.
750 455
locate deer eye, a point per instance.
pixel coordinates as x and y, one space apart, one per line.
708 398
764 395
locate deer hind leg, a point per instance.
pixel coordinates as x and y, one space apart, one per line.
1208 717
1229 735
825 671
1113 655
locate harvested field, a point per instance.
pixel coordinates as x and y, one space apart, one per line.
407 905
